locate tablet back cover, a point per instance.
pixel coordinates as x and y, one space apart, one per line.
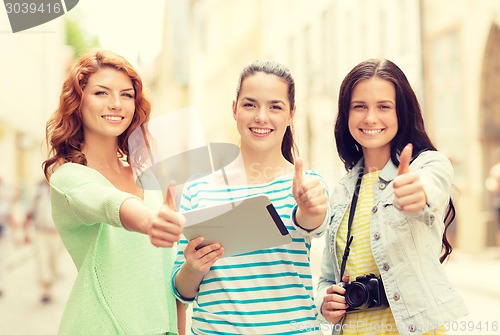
243 226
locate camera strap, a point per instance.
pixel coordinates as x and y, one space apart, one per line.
349 223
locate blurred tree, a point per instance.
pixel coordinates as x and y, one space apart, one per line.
78 38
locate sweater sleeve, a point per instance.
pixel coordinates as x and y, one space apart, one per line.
90 196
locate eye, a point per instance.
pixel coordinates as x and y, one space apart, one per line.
358 107
100 93
128 95
248 105
385 107
276 107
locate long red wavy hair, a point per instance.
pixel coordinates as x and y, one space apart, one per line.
64 129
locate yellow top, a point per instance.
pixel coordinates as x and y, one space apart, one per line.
361 262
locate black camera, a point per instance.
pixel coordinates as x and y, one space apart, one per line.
366 292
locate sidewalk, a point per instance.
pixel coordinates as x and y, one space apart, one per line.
479 273
476 277
21 311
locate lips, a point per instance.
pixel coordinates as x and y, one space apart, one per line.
261 131
371 131
112 117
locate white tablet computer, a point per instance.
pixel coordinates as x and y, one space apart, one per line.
241 226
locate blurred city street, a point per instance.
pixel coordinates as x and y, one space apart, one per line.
475 276
22 313
189 54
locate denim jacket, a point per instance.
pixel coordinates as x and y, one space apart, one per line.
405 247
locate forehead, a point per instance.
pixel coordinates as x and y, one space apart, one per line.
108 76
264 84
374 87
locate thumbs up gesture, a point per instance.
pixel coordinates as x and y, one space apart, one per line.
166 226
408 189
311 198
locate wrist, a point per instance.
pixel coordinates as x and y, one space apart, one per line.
295 222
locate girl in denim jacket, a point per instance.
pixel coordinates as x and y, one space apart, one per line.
392 280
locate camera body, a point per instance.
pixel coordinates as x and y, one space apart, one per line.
366 292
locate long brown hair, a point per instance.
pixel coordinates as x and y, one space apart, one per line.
64 129
410 123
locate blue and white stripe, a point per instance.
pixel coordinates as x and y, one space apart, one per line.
267 291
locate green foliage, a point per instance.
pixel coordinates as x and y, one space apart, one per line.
77 38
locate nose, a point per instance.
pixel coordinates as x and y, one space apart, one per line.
370 116
114 102
261 115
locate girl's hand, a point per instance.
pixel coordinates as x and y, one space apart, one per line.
310 196
408 189
202 259
165 228
334 305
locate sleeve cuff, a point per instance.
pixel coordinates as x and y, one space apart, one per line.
176 293
316 232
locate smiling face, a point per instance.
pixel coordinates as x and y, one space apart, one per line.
108 104
373 121
262 113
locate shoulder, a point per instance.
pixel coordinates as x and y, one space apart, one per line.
70 169
343 183
72 175
312 173
435 158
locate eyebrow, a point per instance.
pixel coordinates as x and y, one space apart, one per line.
271 101
107 88
380 101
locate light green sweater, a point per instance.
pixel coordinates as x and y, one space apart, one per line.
123 283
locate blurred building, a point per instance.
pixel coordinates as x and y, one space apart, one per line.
462 88
207 43
30 82
449 49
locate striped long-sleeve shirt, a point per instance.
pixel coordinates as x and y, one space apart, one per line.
267 291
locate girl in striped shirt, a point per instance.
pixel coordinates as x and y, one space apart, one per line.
267 291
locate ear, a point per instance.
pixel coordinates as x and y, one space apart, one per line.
292 114
234 109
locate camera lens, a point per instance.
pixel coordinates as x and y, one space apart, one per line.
357 295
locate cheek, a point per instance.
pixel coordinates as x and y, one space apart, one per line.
352 124
242 117
90 105
392 121
85 111
130 105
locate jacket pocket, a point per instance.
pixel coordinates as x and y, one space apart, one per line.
394 217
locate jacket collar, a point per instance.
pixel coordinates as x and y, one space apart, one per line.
388 173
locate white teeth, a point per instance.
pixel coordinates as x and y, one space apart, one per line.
371 131
260 130
112 118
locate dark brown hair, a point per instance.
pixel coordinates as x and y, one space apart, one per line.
411 127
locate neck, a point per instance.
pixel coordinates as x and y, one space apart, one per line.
375 160
264 167
101 155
